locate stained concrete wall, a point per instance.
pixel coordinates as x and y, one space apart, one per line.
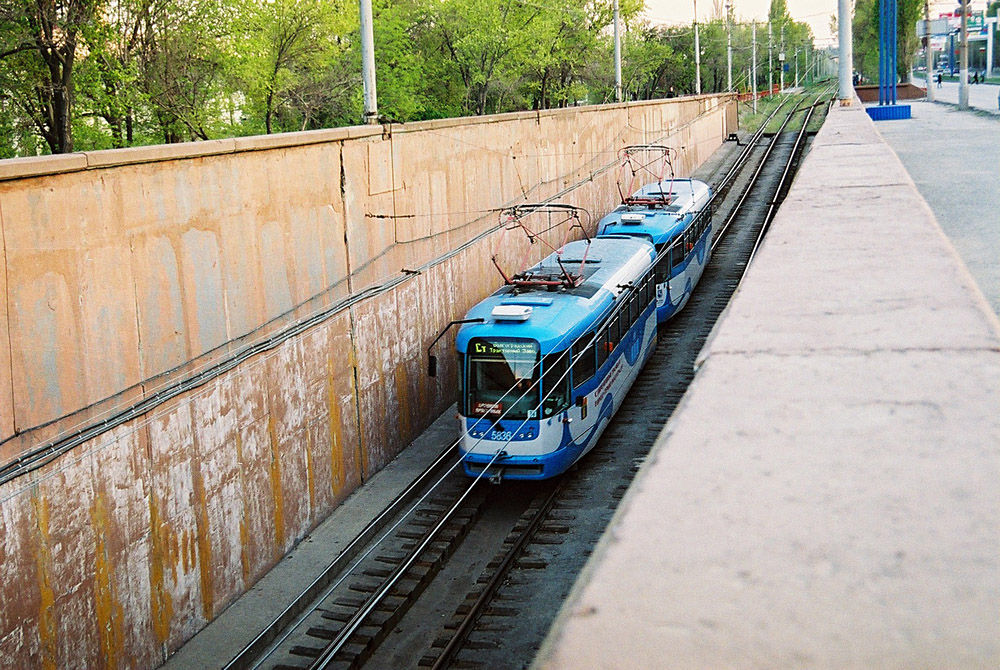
127 271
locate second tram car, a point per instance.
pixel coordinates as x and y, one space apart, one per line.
672 214
542 375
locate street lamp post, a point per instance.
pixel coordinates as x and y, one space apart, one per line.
368 63
618 55
928 53
697 53
753 68
770 63
846 86
729 50
963 58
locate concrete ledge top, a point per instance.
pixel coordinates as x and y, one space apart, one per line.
34 166
828 493
158 152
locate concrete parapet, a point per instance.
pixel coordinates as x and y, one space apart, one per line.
827 495
131 273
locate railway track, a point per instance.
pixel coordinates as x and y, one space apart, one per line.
459 573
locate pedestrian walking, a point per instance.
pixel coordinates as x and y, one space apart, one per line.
939 79
975 76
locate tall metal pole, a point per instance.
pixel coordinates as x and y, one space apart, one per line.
618 55
729 51
846 92
883 52
770 65
796 67
753 68
781 58
893 26
963 58
697 52
929 53
368 63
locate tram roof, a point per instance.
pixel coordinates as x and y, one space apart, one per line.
658 223
558 317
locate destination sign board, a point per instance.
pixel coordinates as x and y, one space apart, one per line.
481 408
505 348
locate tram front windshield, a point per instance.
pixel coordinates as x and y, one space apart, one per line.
503 379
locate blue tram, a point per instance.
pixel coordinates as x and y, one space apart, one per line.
542 374
673 214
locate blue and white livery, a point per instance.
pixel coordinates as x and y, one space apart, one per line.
542 375
674 216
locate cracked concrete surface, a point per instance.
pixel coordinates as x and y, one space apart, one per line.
828 493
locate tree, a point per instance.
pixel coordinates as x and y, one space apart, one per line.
114 73
658 64
285 49
485 44
865 29
39 44
183 56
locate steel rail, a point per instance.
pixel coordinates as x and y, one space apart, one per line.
745 154
486 595
772 208
723 185
326 658
753 181
250 655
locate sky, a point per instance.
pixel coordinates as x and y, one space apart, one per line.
814 12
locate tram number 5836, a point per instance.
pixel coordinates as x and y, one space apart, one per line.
502 435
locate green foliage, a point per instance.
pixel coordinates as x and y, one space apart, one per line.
129 72
865 30
39 46
289 68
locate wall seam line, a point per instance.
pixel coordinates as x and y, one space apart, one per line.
362 465
10 345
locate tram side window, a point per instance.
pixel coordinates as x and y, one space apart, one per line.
555 383
663 268
584 364
604 345
650 289
677 254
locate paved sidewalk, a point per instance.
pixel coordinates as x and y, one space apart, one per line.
982 97
954 159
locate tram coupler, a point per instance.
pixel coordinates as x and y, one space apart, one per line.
497 479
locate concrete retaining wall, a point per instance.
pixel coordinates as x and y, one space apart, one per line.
127 271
